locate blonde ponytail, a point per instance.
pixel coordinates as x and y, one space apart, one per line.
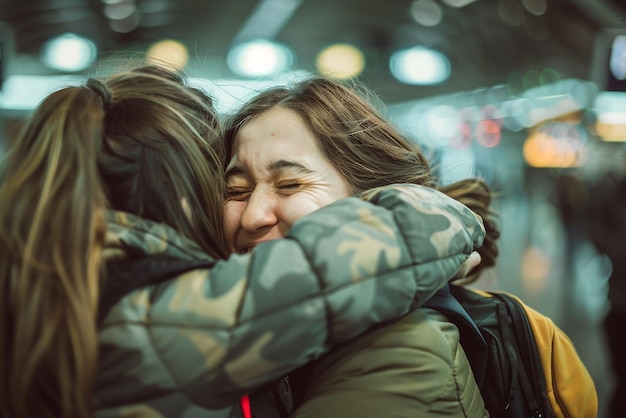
51 237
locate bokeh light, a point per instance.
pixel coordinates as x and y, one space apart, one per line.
419 65
68 52
426 12
342 61
168 52
259 58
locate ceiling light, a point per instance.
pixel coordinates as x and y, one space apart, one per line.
120 10
458 3
259 58
125 25
536 7
426 12
169 53
511 13
340 61
68 52
419 66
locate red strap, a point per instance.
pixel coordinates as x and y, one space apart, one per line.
245 406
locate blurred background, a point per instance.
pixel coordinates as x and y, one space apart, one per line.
527 94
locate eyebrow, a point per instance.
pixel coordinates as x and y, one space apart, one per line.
279 165
274 166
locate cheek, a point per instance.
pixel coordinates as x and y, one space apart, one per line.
232 217
302 205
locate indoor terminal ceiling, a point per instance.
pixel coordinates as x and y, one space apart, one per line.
482 48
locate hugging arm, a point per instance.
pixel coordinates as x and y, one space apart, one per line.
222 332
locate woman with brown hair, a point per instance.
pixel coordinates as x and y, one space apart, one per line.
291 150
294 150
116 181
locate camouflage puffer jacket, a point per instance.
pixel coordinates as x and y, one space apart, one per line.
192 346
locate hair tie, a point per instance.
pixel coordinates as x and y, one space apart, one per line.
101 90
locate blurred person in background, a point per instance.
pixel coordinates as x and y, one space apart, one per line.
291 150
111 182
606 226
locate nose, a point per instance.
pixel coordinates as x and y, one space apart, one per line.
260 212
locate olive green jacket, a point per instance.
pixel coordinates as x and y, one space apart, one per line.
191 347
413 367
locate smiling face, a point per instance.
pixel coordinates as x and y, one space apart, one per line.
276 174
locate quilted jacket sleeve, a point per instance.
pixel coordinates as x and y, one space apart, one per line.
216 334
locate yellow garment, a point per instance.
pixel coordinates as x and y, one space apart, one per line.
571 390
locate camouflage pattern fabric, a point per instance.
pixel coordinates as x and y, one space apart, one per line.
192 346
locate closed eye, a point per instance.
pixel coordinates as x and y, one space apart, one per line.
289 188
238 193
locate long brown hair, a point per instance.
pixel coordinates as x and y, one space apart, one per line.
139 141
365 147
160 146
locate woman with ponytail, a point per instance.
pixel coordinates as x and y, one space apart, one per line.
120 179
53 222
331 141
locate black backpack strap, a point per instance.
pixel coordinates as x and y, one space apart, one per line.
530 369
472 340
125 276
511 354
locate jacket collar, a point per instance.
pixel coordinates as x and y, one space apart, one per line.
129 236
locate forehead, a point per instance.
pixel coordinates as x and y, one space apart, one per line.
278 132
275 122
